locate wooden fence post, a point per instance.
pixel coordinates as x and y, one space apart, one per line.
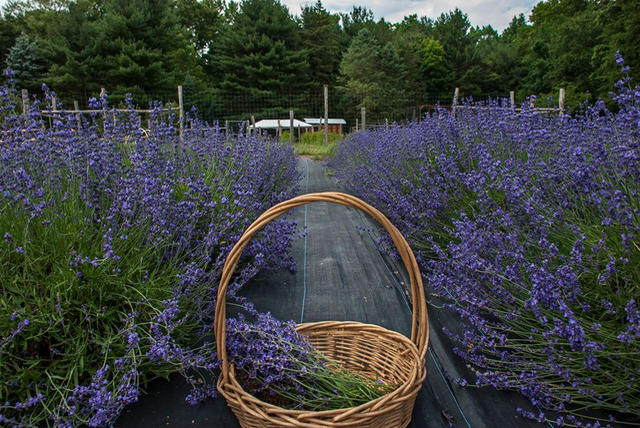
386 124
104 112
25 102
181 107
561 100
357 125
76 107
456 94
363 116
326 114
512 97
253 125
291 130
54 103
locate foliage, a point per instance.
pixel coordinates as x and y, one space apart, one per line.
260 55
312 144
528 225
372 74
317 138
320 36
203 20
125 46
25 61
453 31
111 246
246 54
432 65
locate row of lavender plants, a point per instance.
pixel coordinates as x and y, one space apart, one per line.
112 240
529 224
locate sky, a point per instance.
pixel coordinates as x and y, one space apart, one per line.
497 13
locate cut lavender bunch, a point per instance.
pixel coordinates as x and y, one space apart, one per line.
281 367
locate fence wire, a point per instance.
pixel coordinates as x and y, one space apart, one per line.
234 108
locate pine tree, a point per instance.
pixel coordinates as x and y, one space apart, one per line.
71 49
260 59
453 31
137 41
321 39
135 46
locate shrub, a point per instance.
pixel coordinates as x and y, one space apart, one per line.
111 245
529 223
317 138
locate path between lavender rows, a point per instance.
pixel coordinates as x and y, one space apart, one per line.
341 275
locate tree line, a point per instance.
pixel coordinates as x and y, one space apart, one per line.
259 49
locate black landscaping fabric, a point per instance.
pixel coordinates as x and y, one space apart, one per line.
341 275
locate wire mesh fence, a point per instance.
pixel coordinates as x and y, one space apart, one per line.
234 109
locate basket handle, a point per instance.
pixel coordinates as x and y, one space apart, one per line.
420 322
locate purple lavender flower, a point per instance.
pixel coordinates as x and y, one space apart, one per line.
126 240
526 223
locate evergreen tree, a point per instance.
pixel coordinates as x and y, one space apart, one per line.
138 44
203 20
261 59
453 31
71 49
135 46
26 62
558 48
356 20
321 39
408 37
479 78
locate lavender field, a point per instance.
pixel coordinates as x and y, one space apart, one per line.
111 246
528 225
112 239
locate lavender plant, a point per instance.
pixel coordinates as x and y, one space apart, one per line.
111 245
529 224
279 365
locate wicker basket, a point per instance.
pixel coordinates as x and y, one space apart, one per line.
368 349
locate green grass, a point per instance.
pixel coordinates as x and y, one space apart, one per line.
312 145
313 151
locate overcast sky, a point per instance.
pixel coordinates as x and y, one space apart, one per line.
498 13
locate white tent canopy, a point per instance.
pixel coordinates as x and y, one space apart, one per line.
320 121
279 123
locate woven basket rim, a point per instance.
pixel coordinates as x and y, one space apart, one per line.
410 380
416 346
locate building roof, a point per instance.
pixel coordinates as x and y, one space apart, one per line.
280 123
320 121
